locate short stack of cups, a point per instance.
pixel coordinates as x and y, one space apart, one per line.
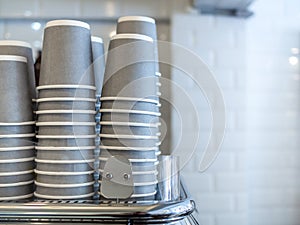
145 26
17 130
66 113
129 116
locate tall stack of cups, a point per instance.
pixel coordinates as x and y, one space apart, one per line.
66 113
145 26
129 111
17 127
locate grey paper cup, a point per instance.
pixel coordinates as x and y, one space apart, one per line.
67 53
130 67
87 104
98 62
21 176
17 189
66 130
124 117
11 47
56 190
16 142
128 142
130 105
68 167
64 179
71 116
67 142
16 154
130 154
17 129
13 91
129 130
65 155
137 25
88 92
16 165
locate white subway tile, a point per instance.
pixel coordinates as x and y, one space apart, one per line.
206 219
280 198
19 9
215 203
22 30
60 9
231 182
197 182
279 178
231 218
2 30
100 9
274 216
225 162
242 201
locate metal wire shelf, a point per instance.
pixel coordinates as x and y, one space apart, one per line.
101 212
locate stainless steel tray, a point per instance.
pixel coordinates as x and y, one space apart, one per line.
101 212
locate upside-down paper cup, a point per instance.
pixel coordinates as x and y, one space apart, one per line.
20 48
67 54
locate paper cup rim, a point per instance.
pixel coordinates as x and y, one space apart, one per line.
66 86
50 185
16 135
66 136
55 23
157 153
18 184
154 163
53 173
128 148
130 124
136 18
51 148
4 174
16 58
132 160
124 136
63 161
41 124
17 148
65 99
66 197
141 112
130 99
4 124
15 43
97 39
140 37
3 161
39 112
11 198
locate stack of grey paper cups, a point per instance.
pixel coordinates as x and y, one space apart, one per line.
66 113
130 106
17 133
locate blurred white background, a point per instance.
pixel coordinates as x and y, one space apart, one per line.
255 179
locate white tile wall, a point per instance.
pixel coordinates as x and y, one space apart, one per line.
220 42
